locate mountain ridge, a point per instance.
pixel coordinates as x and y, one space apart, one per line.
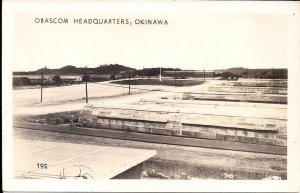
73 70
113 69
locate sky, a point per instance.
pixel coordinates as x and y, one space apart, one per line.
191 40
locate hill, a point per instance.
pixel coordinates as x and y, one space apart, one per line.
73 70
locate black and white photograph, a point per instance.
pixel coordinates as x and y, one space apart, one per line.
163 91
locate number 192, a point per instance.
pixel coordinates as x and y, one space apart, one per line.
42 165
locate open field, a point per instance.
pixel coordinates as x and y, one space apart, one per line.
74 93
249 112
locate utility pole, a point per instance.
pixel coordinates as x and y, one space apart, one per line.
129 83
160 74
42 82
86 91
175 77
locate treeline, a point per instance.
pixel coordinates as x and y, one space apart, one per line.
111 69
73 70
281 73
116 71
57 80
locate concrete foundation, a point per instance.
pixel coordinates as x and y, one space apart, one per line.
237 97
247 111
76 161
172 121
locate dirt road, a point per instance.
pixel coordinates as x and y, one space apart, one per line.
70 98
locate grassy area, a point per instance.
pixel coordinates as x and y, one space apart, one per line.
69 117
165 82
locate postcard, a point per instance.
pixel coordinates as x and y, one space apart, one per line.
150 96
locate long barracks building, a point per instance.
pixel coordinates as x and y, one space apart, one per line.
193 73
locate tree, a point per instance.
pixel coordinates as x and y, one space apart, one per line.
86 78
113 77
57 80
23 81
